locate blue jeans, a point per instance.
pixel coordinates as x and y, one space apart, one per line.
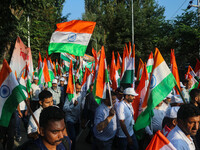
102 145
73 130
18 121
123 143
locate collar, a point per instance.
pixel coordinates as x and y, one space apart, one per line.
182 134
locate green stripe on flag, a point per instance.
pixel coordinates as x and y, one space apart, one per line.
128 77
155 97
11 104
149 68
75 49
70 96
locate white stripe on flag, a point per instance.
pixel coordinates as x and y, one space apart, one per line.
159 76
70 37
6 89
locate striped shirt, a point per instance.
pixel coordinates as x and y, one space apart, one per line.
109 132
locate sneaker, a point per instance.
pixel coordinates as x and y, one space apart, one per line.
19 139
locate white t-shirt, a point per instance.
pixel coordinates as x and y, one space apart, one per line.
35 90
180 140
125 112
32 126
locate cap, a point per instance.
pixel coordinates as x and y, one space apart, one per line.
169 95
64 75
176 99
130 91
172 112
54 81
62 79
56 77
35 78
181 85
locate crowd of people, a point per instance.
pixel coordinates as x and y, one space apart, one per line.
56 121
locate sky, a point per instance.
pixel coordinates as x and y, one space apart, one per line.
172 8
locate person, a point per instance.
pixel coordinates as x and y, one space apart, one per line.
72 111
89 112
195 100
21 114
105 124
185 92
125 134
45 101
56 92
52 131
119 94
188 118
158 117
34 92
170 120
63 88
195 97
7 134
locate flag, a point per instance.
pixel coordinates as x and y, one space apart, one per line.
11 94
114 76
27 79
174 70
50 69
40 70
129 73
141 90
71 37
99 89
124 62
191 75
140 68
67 57
96 64
71 84
160 142
161 83
87 80
150 63
197 68
119 62
21 55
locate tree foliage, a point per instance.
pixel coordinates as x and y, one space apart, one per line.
43 14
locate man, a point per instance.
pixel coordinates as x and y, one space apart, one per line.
34 92
56 92
187 125
72 114
105 124
195 97
125 133
119 94
52 131
89 112
185 92
21 114
45 101
63 88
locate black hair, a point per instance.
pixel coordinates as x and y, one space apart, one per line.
51 113
113 93
77 82
186 111
44 94
194 93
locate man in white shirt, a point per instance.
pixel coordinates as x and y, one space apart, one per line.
56 92
125 134
34 92
188 118
46 100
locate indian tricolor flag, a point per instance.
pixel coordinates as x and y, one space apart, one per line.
71 84
11 94
197 68
160 142
129 73
87 80
114 76
140 69
141 90
161 82
192 76
71 37
150 62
